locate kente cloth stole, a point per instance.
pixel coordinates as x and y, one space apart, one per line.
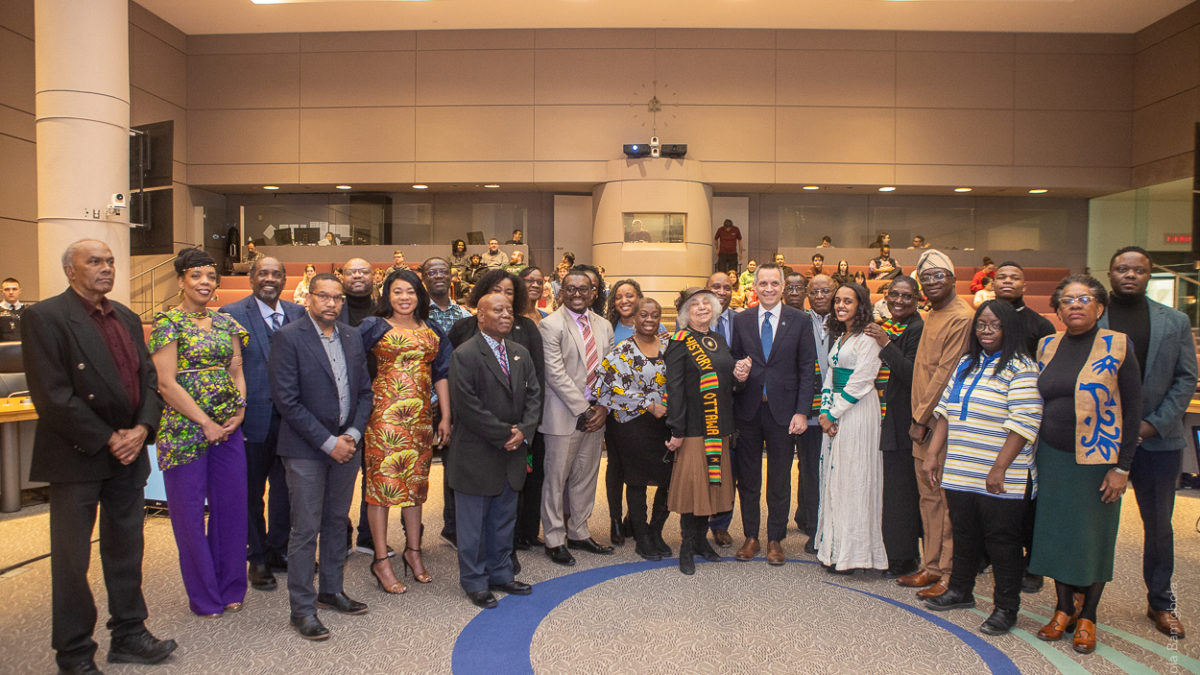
1097 399
709 384
894 330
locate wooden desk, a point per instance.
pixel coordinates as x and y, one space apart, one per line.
10 453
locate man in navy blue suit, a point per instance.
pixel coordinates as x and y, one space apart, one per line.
320 385
261 314
774 404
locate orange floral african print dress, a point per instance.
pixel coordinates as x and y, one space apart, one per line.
399 438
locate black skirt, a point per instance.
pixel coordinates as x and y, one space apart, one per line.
641 445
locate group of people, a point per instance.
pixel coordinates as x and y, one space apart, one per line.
939 433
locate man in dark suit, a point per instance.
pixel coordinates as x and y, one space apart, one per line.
320 385
495 404
95 390
775 404
261 314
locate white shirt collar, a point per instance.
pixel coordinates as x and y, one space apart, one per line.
774 312
5 304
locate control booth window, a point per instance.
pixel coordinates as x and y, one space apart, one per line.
654 228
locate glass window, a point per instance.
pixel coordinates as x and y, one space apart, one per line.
658 228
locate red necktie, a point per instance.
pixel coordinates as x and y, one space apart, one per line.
590 352
503 357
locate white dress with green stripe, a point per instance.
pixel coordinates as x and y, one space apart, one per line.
849 524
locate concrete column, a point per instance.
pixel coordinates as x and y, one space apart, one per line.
82 106
654 186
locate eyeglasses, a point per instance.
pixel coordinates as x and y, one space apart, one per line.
906 297
1084 300
576 290
820 292
934 276
981 327
794 287
327 298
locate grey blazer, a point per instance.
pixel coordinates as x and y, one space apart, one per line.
1169 377
566 368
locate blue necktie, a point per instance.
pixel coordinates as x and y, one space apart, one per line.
276 321
768 336
721 328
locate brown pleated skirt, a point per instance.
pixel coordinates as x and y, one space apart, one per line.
691 491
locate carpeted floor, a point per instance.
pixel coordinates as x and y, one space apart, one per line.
614 614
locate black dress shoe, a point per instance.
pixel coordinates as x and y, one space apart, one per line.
590 545
515 563
80 668
482 599
950 600
900 568
560 555
310 627
1032 583
139 648
614 534
810 546
842 573
1000 622
341 603
513 587
520 543
260 577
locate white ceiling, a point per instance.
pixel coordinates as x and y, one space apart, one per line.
198 17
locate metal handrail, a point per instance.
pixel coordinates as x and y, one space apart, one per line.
1177 275
153 304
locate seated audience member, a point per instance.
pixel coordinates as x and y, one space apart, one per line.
884 266
518 238
516 262
496 401
918 243
881 239
826 242
494 258
746 279
988 270
251 252
300 295
984 294
784 266
329 240
880 311
982 454
818 266
11 309
458 256
737 296
858 278
397 264
475 269
842 275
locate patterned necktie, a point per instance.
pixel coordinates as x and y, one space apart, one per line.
590 352
276 321
502 356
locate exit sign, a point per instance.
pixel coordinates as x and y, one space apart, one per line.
1179 238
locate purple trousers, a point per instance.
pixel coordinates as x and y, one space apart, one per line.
212 560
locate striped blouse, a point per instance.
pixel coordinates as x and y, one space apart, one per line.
982 408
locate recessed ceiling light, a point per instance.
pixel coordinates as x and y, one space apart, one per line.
270 187
888 188
342 187
492 186
420 186
811 187
962 189
1038 191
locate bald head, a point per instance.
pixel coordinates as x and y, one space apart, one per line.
495 315
357 277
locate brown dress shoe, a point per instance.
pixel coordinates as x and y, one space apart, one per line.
1059 623
775 554
1166 622
920 579
935 590
1085 637
722 538
748 550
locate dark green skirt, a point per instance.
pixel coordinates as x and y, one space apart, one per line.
1074 533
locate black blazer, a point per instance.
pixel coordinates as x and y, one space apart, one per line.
524 332
899 355
259 409
304 390
75 387
485 405
788 375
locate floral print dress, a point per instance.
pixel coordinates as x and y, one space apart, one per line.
203 372
399 438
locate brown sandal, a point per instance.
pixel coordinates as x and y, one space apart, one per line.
423 577
396 588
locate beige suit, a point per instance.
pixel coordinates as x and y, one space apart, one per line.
572 456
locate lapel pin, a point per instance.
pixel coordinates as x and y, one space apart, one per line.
516 358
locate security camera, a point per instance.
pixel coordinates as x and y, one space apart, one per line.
118 202
654 141
655 150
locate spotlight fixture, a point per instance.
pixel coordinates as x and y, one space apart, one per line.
342 187
635 150
270 187
1038 191
492 186
962 189
420 186
888 188
811 187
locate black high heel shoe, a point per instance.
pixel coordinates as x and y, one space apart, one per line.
423 577
396 588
